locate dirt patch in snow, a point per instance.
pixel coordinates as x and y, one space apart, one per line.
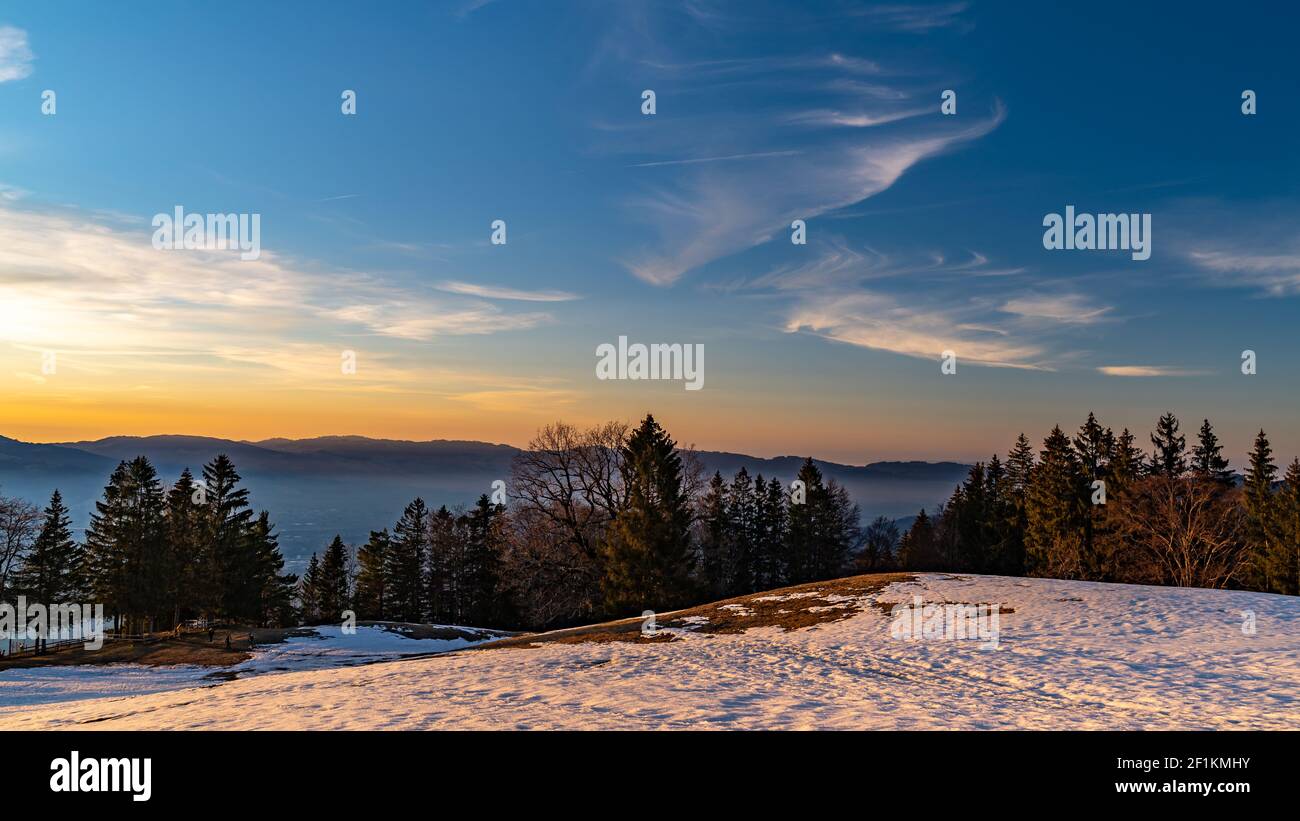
790 608
191 648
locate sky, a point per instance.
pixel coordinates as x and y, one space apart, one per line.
924 230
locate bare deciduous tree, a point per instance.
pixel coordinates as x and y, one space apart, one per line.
20 521
1192 529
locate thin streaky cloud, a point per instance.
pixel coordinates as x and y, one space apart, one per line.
496 292
859 119
1277 274
693 161
1146 370
1071 309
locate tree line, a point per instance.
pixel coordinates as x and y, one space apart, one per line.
610 521
153 556
604 522
1095 506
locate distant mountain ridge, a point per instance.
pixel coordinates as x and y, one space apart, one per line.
350 485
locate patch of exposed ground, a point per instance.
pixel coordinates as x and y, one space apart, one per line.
190 648
790 608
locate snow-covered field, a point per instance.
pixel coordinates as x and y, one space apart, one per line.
1071 655
319 648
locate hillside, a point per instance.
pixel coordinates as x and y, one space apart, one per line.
1071 655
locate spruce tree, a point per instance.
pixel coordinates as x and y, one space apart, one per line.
309 592
1207 457
743 515
125 547
185 543
275 589
1019 476
1020 465
228 559
404 563
51 572
1090 445
647 556
370 589
481 576
1127 465
1261 513
1054 509
1169 457
1281 559
770 550
917 549
446 567
332 584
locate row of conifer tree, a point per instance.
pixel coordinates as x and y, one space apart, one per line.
614 521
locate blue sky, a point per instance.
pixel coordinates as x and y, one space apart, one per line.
925 230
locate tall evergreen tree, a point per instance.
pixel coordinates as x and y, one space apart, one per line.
1127 465
446 567
741 539
1207 456
333 582
275 589
480 579
185 542
1020 465
309 592
917 549
228 559
370 589
1261 513
1281 556
1054 510
125 547
1169 457
404 563
647 556
51 572
774 518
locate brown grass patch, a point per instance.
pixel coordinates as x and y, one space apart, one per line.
790 608
190 648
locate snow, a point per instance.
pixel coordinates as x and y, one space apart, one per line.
1072 655
318 648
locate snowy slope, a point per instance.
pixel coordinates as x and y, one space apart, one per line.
317 648
1072 655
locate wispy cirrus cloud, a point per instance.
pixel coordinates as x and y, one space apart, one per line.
1070 309
1146 371
719 175
732 157
881 322
15 55
915 19
707 213
1276 273
496 292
